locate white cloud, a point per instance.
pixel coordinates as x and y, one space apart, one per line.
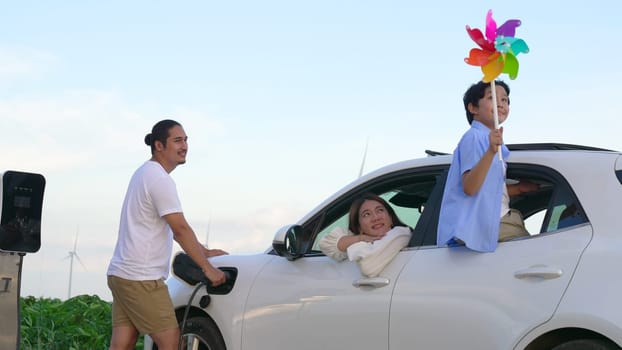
24 63
68 130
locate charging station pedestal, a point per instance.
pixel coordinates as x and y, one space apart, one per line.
10 270
21 204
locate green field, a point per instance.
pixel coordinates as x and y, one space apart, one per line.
82 322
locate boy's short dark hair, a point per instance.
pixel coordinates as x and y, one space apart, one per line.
476 92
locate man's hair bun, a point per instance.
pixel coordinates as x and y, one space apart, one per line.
148 139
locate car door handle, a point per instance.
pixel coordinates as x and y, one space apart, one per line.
375 282
540 271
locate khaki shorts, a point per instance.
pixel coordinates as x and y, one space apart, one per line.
512 226
145 305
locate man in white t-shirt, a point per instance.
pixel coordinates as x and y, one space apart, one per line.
151 218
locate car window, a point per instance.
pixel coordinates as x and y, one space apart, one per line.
416 197
409 215
340 222
407 192
553 207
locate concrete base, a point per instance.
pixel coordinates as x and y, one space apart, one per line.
10 278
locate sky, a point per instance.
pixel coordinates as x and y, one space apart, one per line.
279 100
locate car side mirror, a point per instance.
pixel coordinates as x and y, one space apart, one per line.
287 242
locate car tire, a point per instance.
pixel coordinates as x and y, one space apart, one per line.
587 344
206 332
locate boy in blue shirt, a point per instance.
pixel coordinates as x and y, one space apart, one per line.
475 208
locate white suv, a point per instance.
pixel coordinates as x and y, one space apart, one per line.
558 289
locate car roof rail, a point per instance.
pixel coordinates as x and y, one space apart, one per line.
553 147
550 146
435 153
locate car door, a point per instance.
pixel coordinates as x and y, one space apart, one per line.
315 302
318 303
455 298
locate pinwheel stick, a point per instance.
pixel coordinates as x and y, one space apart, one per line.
493 90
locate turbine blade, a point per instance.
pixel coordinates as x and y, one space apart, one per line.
364 157
75 241
80 261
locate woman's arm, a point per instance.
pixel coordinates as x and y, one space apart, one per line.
330 242
345 241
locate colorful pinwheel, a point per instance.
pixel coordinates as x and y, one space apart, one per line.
498 49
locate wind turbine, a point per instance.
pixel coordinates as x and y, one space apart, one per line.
364 156
73 254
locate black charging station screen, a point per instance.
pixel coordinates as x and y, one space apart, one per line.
22 202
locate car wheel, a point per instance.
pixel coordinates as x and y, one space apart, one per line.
202 333
587 344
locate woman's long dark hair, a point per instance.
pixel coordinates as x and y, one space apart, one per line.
354 224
